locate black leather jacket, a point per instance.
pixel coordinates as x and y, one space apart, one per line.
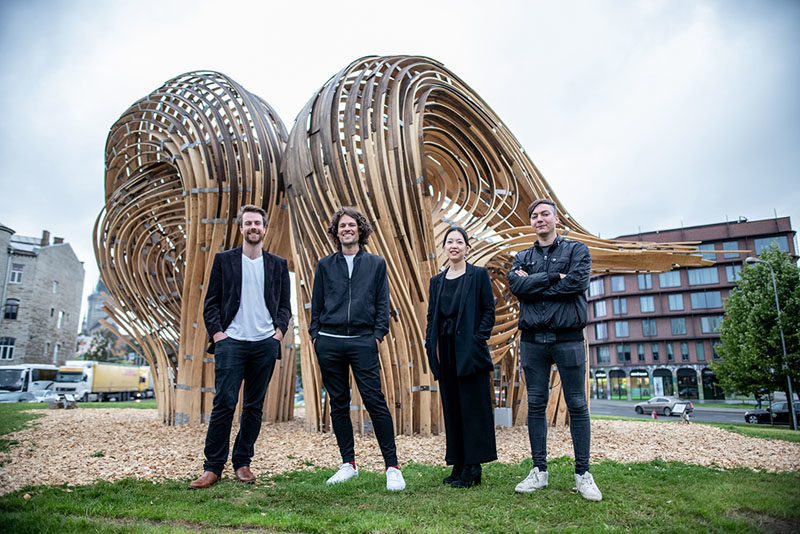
353 306
552 308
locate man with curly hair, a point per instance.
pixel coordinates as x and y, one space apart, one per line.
349 318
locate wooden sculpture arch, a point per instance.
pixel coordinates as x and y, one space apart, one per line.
179 164
417 150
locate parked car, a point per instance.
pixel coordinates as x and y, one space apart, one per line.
780 414
664 405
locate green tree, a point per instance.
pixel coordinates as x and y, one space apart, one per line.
752 357
101 347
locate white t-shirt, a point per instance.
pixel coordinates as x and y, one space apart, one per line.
252 321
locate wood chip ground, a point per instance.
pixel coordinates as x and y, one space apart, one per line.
81 446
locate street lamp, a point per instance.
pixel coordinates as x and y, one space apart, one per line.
751 260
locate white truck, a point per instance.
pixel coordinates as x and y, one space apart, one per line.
27 377
98 381
16 380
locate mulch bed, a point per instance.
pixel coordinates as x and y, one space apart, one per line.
81 446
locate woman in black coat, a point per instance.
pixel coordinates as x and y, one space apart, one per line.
460 320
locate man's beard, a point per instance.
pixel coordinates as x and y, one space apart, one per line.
253 238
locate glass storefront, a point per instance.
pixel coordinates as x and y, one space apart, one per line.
640 384
601 385
711 389
687 384
619 385
662 382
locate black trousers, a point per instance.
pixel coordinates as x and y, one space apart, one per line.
336 356
468 411
234 361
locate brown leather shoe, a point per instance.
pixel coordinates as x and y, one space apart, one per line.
206 480
243 474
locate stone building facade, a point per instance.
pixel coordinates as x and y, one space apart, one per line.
655 334
41 299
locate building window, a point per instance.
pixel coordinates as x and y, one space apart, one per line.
703 275
684 352
670 279
7 348
701 351
16 273
714 353
52 311
47 349
596 287
55 286
710 325
765 242
707 246
731 245
620 306
647 304
649 327
623 353
654 350
603 355
600 308
618 283
621 328
12 307
733 273
670 353
676 301
645 281
56 350
678 326
60 319
601 331
708 299
640 352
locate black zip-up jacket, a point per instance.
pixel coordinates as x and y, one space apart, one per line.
350 306
552 308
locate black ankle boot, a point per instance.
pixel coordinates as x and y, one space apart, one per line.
455 475
470 476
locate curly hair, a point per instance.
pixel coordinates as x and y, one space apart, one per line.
364 228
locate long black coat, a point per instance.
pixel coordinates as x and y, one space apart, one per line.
225 291
474 323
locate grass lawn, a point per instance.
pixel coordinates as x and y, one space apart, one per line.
651 497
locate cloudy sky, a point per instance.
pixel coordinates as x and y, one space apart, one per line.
641 114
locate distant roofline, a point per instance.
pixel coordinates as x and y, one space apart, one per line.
722 223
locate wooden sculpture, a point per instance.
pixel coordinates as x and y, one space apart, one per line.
414 148
179 164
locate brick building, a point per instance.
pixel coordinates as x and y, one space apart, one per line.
654 334
41 299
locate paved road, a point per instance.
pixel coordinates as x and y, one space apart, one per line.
625 409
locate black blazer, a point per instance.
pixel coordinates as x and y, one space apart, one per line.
473 325
225 291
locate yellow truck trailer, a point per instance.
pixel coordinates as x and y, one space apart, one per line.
98 381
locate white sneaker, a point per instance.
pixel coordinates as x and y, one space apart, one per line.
394 480
587 487
534 481
345 472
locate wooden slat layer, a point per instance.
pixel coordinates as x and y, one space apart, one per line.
413 147
179 164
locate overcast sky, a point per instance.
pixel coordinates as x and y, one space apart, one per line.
642 115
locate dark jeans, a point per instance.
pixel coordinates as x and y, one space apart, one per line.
234 361
570 358
336 357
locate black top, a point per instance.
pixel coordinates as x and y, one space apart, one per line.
449 301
